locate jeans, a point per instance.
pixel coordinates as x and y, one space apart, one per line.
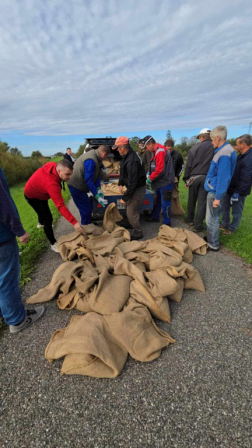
83 204
198 193
133 210
164 196
237 209
212 221
44 216
11 306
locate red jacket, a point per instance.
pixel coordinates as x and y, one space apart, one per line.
44 184
159 157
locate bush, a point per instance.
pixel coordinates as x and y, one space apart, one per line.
16 168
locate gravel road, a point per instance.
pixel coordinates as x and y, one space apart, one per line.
197 394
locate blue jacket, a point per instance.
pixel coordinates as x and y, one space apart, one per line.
89 175
221 170
241 181
10 225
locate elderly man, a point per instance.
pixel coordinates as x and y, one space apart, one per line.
68 156
239 188
132 176
86 178
217 182
161 178
177 159
44 184
197 166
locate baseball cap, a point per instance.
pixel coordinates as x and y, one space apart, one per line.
120 141
204 131
146 140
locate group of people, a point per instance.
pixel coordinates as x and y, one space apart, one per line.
216 178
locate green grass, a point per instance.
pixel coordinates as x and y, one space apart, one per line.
240 241
38 242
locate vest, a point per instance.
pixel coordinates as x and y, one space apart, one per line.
78 177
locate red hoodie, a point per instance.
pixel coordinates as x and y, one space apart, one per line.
44 184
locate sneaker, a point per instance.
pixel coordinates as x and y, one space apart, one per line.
212 248
190 223
54 247
200 229
31 317
40 226
149 219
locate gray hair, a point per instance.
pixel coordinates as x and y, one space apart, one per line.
219 131
245 138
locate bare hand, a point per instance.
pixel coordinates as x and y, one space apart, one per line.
186 186
122 202
176 179
121 189
24 238
78 228
216 203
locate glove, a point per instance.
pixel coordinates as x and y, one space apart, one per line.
234 198
100 192
148 182
100 199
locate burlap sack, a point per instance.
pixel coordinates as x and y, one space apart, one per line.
136 331
74 299
190 275
119 232
158 306
103 245
89 347
171 234
111 217
154 248
131 246
196 243
68 245
160 283
176 207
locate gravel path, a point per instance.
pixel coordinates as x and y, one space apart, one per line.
195 395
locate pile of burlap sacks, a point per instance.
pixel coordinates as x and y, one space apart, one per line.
119 284
112 166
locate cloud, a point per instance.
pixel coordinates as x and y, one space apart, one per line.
80 67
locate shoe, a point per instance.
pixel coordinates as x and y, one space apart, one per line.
227 232
40 226
31 317
221 227
212 248
200 229
149 219
54 247
136 236
190 223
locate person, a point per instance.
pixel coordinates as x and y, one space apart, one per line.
197 166
217 182
11 305
239 188
68 156
86 178
146 156
161 178
44 184
177 159
132 175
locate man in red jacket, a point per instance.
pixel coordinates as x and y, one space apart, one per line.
44 184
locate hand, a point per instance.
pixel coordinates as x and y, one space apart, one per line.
216 203
100 192
78 228
234 198
24 238
186 186
121 189
101 200
148 182
176 179
122 202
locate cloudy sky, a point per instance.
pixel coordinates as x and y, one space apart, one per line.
77 68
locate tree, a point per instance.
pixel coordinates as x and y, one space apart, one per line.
59 154
81 149
15 152
4 147
134 143
185 145
168 135
36 154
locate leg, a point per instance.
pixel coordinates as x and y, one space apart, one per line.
225 210
201 207
237 209
166 196
83 204
157 207
44 216
213 221
133 210
11 305
192 199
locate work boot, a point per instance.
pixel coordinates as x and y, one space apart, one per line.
150 219
190 223
30 318
136 235
221 227
54 247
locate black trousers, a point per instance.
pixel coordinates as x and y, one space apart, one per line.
198 193
44 216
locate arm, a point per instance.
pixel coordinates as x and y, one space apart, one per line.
54 191
8 212
180 166
245 179
132 181
89 174
223 177
188 165
160 161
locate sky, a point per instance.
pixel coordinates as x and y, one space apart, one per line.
72 69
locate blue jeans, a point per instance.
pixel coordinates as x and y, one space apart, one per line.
164 196
212 222
11 305
83 204
237 209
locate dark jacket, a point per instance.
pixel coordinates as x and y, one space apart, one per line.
241 181
69 158
199 159
132 173
178 163
146 157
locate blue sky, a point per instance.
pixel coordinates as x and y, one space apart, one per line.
74 68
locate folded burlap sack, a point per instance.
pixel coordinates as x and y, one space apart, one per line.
196 243
176 207
111 217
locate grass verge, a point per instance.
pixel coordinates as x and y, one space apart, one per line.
38 241
240 241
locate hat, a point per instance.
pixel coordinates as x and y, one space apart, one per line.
204 131
120 141
146 140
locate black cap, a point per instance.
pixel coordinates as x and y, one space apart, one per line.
145 140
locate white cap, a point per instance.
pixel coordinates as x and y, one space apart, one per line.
204 131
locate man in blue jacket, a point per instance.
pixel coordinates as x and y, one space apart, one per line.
239 188
217 182
11 305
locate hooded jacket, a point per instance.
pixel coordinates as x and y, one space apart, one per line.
161 168
44 184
